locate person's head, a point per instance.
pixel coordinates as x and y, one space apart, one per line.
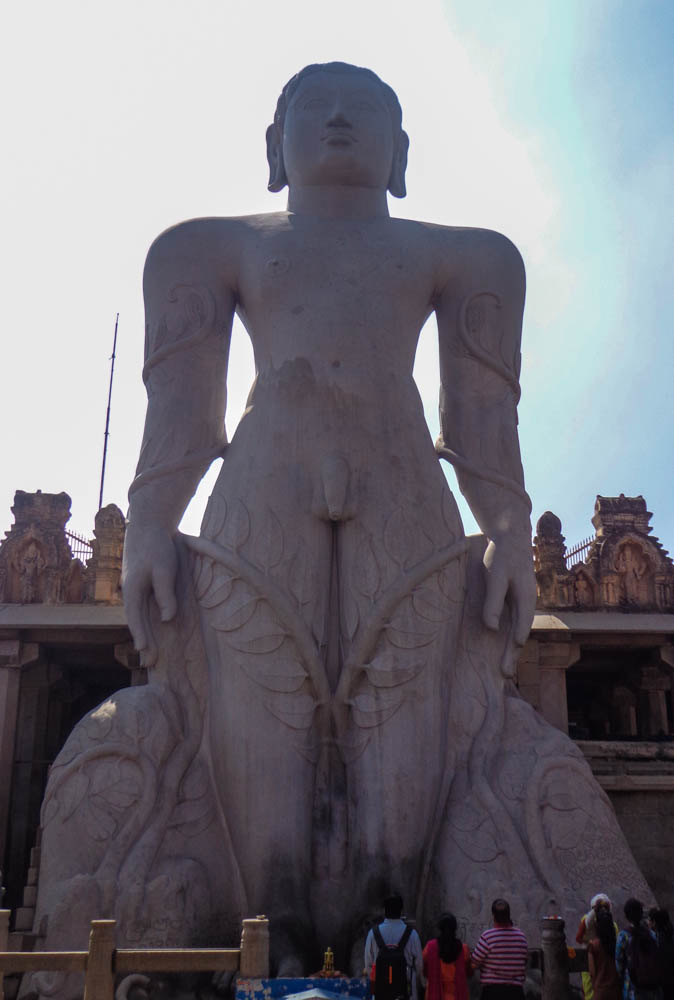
605 929
634 911
500 911
660 922
393 907
449 945
601 899
337 124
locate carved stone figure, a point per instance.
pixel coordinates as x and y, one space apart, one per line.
623 566
329 710
35 559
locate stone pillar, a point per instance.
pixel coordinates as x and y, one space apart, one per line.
254 962
653 686
554 658
104 569
13 655
555 960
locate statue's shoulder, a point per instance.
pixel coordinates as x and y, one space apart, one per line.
210 233
466 246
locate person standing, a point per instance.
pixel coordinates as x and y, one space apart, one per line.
447 963
501 956
601 957
393 933
587 931
636 956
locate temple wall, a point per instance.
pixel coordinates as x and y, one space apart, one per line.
647 819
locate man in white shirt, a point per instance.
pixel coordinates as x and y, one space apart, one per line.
392 929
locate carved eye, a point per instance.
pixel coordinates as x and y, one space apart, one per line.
315 104
363 106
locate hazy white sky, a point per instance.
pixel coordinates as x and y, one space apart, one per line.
549 120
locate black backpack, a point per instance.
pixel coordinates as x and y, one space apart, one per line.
390 970
644 962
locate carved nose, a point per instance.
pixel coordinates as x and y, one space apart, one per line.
338 119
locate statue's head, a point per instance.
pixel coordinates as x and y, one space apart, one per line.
337 124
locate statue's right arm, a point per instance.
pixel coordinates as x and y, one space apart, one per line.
188 287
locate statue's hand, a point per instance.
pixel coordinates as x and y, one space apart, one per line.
510 571
149 568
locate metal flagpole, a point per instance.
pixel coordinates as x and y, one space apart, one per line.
107 416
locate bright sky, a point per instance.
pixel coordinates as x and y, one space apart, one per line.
549 120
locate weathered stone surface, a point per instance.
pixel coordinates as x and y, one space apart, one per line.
330 708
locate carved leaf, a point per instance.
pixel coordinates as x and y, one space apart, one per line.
369 710
404 639
192 817
299 583
366 576
121 794
219 591
216 515
284 677
296 711
72 793
237 527
267 642
269 542
430 605
100 824
205 576
479 844
388 677
401 538
236 617
451 581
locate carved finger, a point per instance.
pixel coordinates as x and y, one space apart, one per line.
497 586
163 583
134 602
525 605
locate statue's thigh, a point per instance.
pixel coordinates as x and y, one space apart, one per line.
401 617
264 599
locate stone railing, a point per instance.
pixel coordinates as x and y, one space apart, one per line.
103 962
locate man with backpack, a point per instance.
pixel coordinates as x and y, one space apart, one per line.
393 955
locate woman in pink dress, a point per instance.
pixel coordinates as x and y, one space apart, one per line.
447 963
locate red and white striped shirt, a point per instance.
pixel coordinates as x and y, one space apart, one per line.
501 955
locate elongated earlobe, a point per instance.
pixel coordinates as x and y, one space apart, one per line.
396 184
277 170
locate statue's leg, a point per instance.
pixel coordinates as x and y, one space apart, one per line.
402 591
262 581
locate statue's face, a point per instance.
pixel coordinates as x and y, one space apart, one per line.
338 130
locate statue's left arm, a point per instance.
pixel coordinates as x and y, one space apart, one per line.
479 310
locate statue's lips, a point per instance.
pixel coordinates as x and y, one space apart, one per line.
338 138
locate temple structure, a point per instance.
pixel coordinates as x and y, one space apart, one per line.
598 665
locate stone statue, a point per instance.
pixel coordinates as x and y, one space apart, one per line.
330 709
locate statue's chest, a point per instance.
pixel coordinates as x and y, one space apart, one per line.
341 270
